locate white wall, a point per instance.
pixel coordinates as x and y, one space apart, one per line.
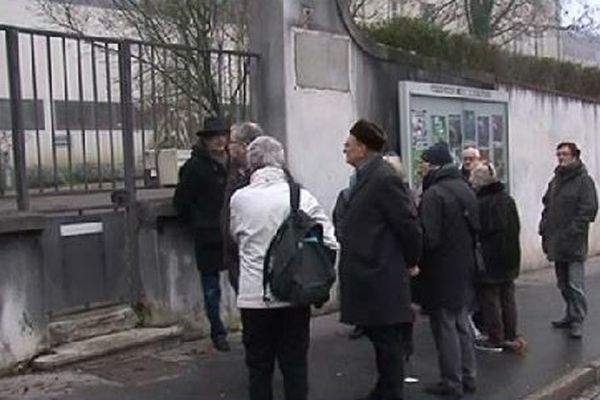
538 122
318 122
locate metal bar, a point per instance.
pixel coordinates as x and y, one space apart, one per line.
165 83
175 113
189 97
16 112
68 129
110 116
154 110
52 126
81 117
108 40
141 112
35 114
244 84
95 112
125 86
228 79
220 83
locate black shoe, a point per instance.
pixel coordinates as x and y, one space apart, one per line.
441 389
221 344
564 323
356 333
576 331
469 387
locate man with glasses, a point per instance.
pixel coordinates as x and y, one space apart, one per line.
570 205
470 160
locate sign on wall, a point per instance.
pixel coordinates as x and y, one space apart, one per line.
461 116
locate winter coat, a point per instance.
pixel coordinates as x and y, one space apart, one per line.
448 263
499 234
199 200
238 178
257 212
380 241
570 205
339 212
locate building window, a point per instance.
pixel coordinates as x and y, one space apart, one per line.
30 108
80 115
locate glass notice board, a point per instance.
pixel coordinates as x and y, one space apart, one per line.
460 116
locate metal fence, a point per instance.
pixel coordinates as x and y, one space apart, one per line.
81 114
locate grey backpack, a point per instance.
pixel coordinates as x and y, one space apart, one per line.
298 267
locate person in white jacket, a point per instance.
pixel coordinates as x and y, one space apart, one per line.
272 330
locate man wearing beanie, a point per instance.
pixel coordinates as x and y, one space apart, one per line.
380 241
450 220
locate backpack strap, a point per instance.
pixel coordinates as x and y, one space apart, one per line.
294 208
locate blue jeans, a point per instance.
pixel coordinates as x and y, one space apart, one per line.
212 299
570 278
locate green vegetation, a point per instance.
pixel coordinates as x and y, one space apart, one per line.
428 40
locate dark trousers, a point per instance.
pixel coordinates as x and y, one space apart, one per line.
570 279
211 288
389 355
454 342
499 310
281 334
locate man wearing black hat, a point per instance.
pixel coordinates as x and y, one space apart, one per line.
199 199
380 241
450 220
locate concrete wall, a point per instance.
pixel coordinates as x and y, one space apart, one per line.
537 122
22 314
171 287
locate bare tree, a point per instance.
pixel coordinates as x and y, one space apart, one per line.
502 21
188 38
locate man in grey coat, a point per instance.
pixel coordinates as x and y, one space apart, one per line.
450 219
380 241
570 205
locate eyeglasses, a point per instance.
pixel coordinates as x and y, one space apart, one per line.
563 153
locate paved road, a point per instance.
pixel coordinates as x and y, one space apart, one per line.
340 369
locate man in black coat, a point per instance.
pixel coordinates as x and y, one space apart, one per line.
199 199
570 205
380 241
449 217
239 176
499 237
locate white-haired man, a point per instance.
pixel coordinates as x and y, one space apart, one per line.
273 329
471 158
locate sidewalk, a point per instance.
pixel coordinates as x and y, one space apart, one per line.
340 369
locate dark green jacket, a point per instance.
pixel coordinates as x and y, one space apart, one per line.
199 199
570 205
499 234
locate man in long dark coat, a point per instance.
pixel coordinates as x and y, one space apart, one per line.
199 199
450 220
380 242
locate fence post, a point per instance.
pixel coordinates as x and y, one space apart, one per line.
16 114
125 89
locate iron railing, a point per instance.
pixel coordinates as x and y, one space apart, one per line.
82 113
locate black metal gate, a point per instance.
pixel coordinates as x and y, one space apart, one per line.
90 115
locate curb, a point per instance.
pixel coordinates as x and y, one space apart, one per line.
570 384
